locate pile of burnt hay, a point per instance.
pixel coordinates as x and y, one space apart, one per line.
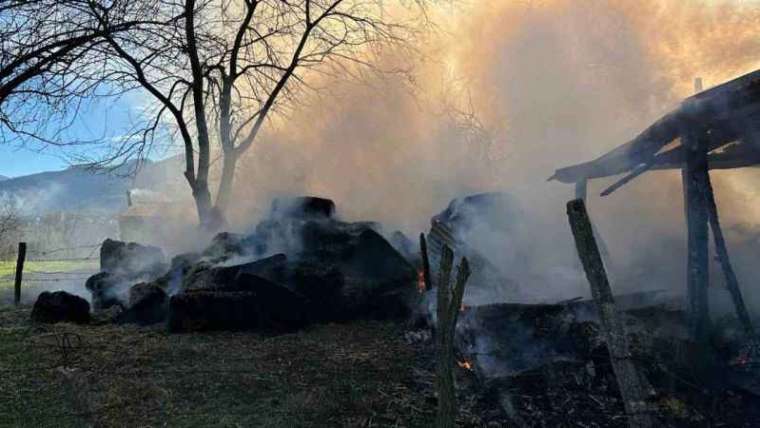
353 375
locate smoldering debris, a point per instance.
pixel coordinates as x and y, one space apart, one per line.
534 364
298 266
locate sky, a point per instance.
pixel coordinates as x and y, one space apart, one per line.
99 121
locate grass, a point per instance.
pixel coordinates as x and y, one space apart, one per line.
39 276
361 374
8 268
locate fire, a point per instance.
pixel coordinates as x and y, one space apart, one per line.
465 365
421 281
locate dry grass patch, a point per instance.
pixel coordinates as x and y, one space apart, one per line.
352 375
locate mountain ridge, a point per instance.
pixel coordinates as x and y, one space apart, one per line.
82 189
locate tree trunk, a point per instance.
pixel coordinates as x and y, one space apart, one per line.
224 195
205 209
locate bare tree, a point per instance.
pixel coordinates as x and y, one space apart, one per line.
46 66
10 227
220 71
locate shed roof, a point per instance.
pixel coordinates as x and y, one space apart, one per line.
729 114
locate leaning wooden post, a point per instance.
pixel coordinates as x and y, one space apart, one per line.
720 247
449 304
19 272
425 263
631 383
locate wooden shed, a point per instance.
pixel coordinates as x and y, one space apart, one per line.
718 128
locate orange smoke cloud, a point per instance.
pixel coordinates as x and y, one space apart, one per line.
503 94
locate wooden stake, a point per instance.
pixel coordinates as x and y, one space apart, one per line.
632 385
425 263
19 272
449 304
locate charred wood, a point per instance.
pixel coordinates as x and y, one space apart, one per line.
695 182
632 385
449 304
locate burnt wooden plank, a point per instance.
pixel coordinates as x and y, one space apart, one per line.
449 301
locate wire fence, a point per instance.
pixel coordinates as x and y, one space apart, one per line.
63 268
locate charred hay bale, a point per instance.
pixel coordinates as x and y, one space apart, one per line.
131 259
211 310
406 247
206 276
184 261
225 246
371 256
303 207
60 306
322 285
122 265
273 268
264 305
354 271
279 308
147 305
104 286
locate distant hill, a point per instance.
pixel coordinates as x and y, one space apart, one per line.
3 178
79 189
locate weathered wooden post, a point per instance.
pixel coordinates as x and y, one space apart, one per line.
695 182
632 385
695 178
19 272
449 304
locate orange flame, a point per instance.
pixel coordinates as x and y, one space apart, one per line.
465 365
421 281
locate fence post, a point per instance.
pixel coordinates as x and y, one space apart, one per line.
19 272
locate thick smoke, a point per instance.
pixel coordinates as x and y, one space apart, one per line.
503 95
